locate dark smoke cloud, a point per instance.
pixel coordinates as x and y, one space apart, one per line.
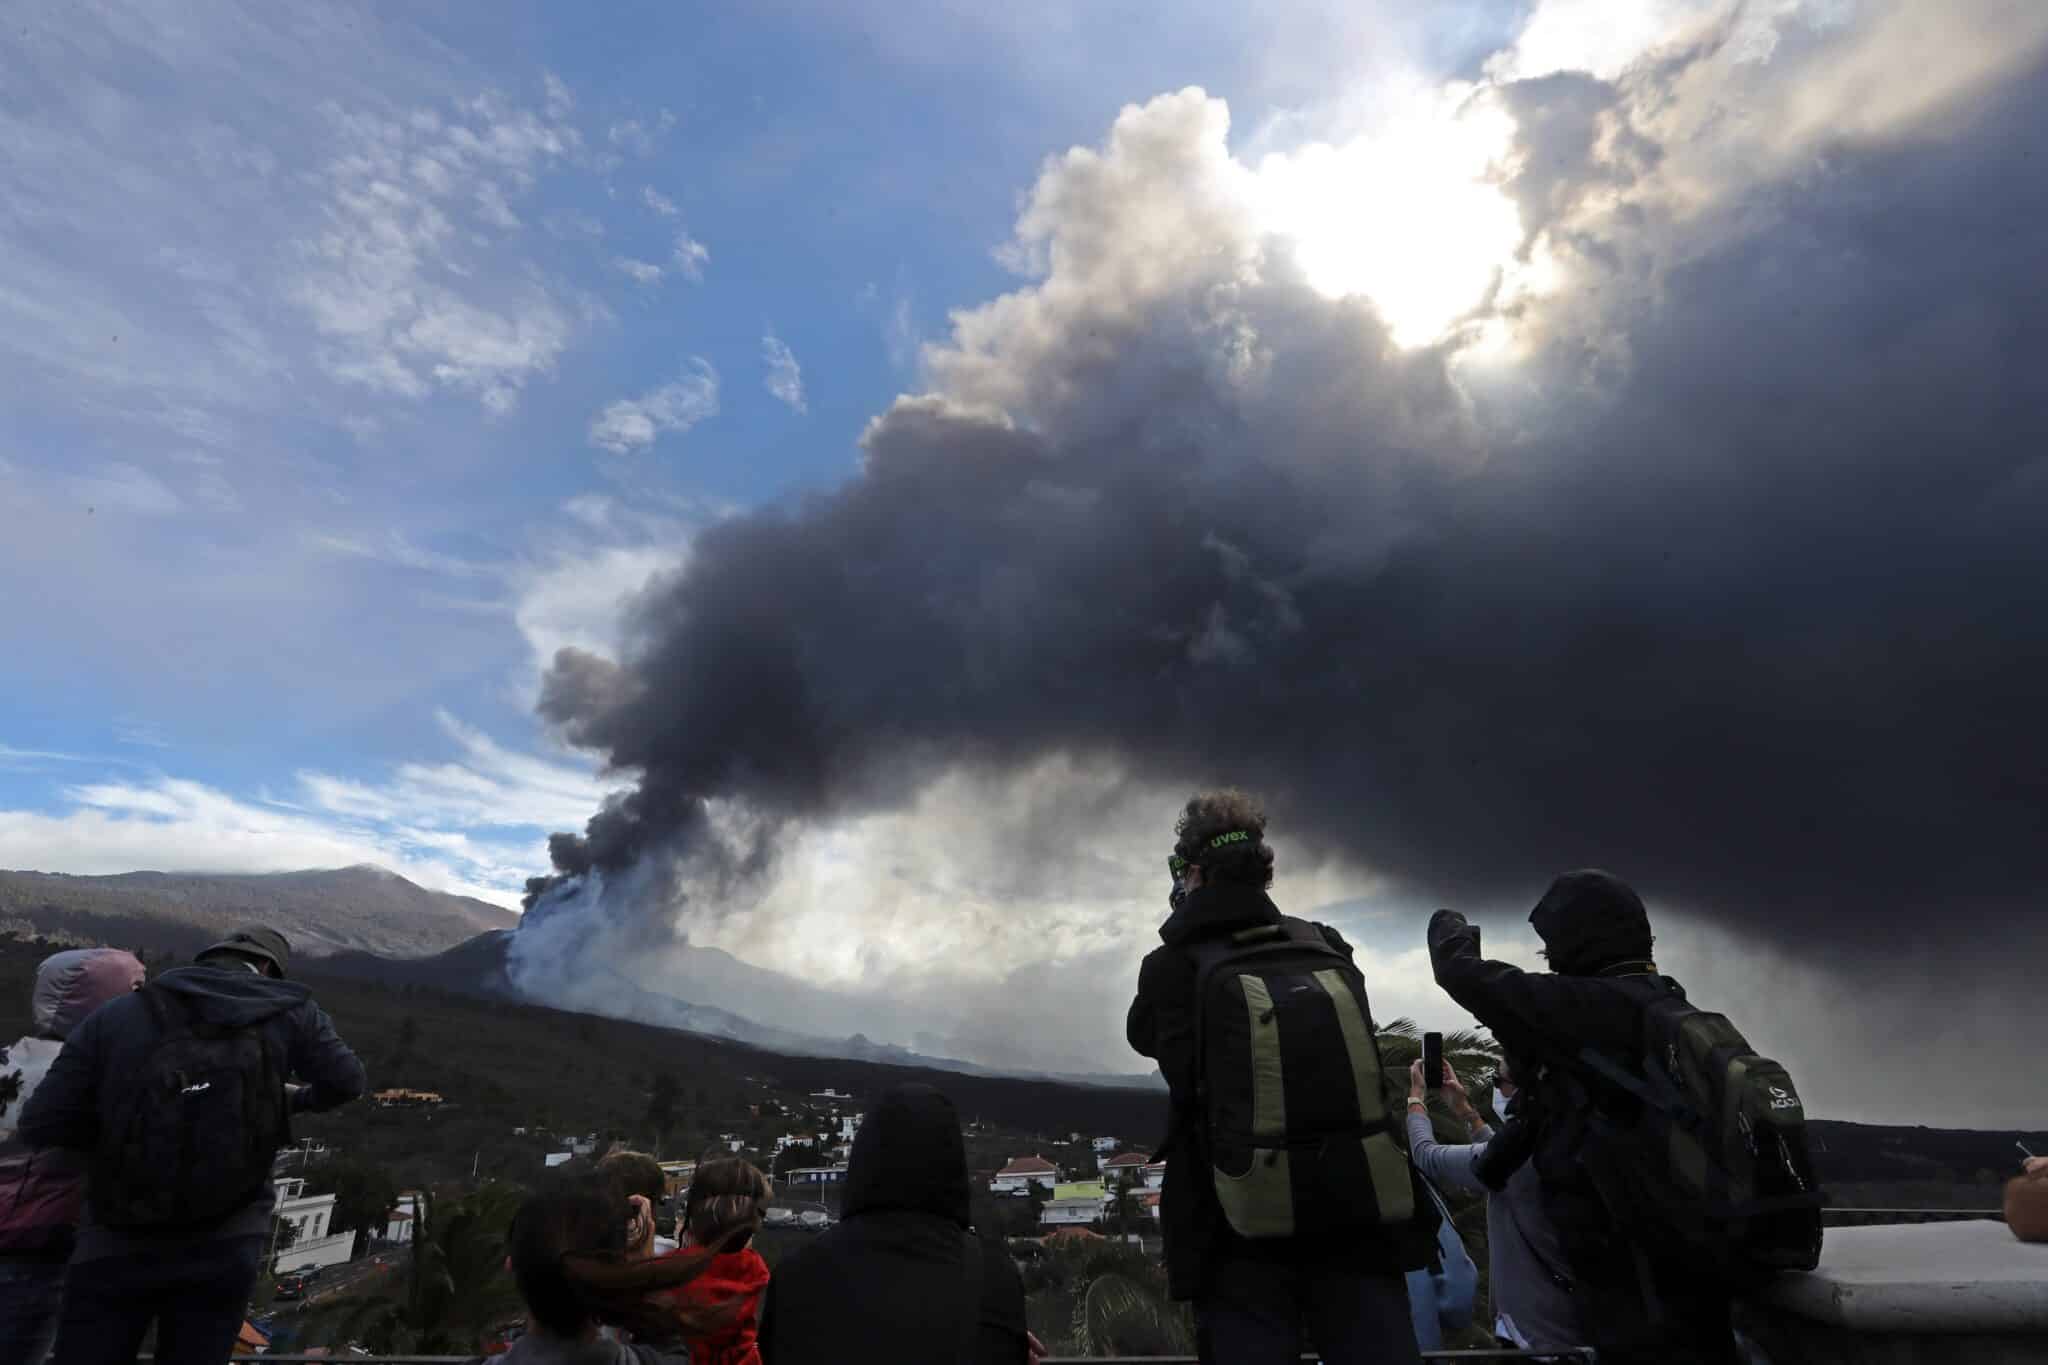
1737 583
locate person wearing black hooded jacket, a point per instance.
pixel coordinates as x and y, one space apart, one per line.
1636 1306
191 1281
904 1279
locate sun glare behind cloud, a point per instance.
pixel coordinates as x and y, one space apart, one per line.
1407 216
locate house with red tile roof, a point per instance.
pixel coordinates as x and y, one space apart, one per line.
1123 1167
1022 1173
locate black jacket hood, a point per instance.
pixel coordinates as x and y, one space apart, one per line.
1590 920
1210 910
232 996
909 1155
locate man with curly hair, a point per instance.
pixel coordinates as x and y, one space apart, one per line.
1242 1001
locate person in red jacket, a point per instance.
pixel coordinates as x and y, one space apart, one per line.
41 1191
726 1204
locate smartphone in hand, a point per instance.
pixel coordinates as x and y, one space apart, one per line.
1433 1060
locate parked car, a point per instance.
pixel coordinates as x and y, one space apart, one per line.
294 1284
814 1220
777 1215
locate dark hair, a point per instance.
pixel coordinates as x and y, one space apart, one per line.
635 1173
726 1199
1224 833
568 1255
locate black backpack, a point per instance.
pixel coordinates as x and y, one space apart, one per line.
1713 1169
1294 1115
196 1128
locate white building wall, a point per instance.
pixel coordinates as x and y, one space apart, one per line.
1070 1212
318 1253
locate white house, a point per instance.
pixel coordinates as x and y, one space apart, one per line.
1022 1173
400 1223
309 1216
1123 1168
1155 1176
815 1175
1104 1146
1074 1205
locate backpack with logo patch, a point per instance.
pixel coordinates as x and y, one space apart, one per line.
195 1130
1295 1117
1714 1170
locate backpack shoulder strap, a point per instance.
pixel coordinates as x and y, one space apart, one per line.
1588 1063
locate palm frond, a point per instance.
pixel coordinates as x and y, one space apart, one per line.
1121 1316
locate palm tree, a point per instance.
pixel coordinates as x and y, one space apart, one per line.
1118 1315
456 1286
1473 1055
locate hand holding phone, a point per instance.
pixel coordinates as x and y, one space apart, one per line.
1433 1060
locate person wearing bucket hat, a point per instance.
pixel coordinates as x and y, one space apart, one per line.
177 1097
265 951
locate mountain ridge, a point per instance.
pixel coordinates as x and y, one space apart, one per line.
478 967
321 910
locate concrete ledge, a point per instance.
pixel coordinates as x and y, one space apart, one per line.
1967 1277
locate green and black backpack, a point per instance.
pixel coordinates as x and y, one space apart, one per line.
1295 1119
1713 1168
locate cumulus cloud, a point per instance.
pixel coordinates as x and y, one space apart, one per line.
467 823
1701 557
785 379
659 202
636 423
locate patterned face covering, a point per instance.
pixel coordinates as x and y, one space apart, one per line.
1178 866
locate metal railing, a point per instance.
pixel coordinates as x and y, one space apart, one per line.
1584 1355
1865 1218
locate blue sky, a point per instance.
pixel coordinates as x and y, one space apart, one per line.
317 315
359 357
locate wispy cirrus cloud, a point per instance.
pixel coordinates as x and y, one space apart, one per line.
690 256
632 424
407 280
785 378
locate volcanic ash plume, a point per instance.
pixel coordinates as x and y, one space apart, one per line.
1714 546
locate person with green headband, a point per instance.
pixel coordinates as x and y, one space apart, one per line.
1289 1209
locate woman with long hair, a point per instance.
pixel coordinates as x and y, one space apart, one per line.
570 1258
